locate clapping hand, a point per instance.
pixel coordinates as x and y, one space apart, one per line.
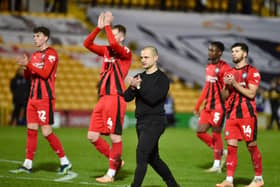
22 60
228 79
108 18
101 18
134 82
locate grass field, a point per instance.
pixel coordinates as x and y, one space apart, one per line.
186 156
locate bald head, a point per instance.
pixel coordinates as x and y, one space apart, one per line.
149 58
152 50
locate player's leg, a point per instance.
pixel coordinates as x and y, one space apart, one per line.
96 126
45 110
31 142
57 147
113 114
232 135
250 136
257 163
217 119
115 161
231 163
203 126
217 150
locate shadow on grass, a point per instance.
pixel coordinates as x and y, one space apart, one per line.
241 180
48 166
122 174
209 165
205 166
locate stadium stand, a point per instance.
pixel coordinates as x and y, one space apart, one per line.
258 7
77 76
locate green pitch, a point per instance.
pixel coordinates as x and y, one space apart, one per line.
186 156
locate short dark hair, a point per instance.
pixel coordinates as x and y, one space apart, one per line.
219 45
121 28
243 46
43 30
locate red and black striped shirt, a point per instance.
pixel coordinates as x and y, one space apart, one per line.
115 65
211 92
41 69
238 105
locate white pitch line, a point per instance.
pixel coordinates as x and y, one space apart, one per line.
65 179
69 176
11 161
51 180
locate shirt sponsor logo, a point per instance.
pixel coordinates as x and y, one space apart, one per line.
110 60
212 79
39 65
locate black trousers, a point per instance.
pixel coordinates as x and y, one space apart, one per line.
16 113
149 131
274 115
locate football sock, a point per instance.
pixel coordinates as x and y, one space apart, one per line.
56 145
102 146
64 161
218 145
111 172
231 160
31 143
216 163
27 163
256 159
258 178
206 138
229 179
115 155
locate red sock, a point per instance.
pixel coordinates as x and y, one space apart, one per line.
102 146
55 144
31 143
218 145
115 155
256 159
231 160
206 138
